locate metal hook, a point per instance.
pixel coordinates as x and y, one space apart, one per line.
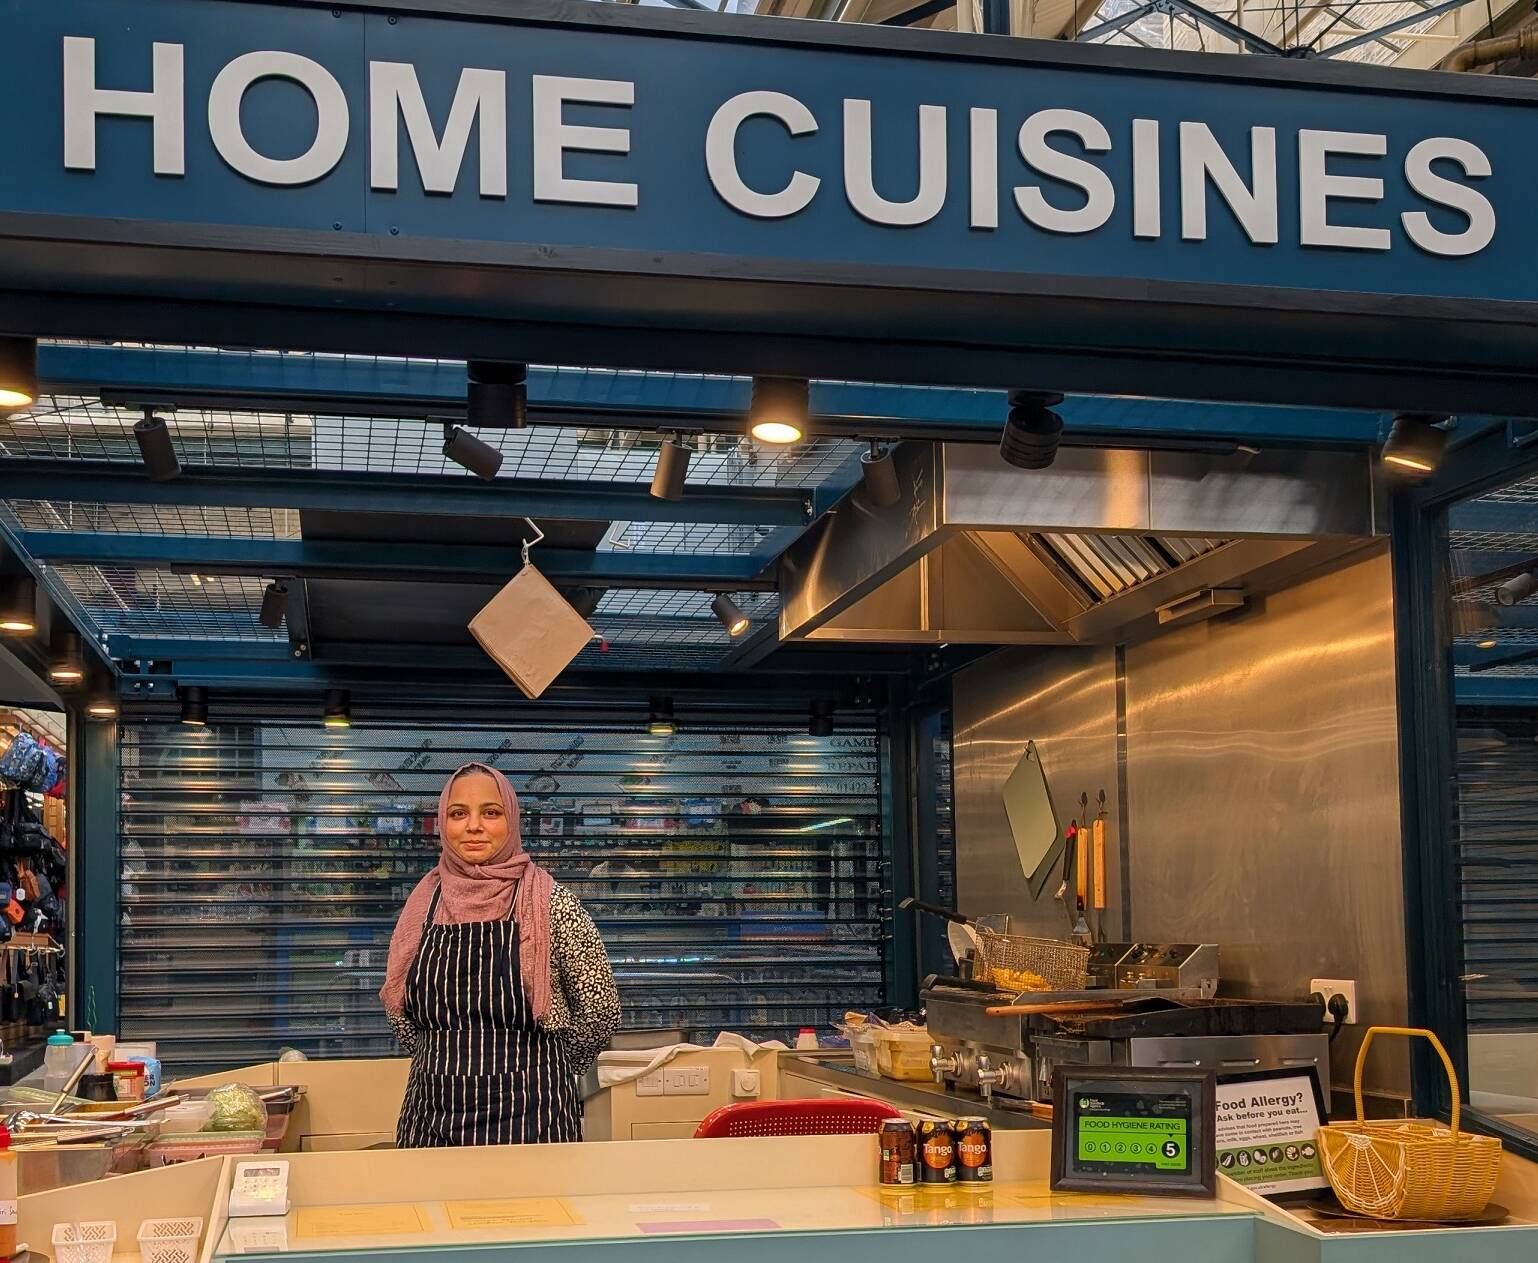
529 543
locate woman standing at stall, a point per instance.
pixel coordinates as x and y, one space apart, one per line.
498 985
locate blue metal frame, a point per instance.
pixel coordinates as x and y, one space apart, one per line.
95 879
362 386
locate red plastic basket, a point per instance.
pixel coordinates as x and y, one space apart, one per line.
797 1118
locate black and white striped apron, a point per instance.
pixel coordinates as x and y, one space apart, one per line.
484 1073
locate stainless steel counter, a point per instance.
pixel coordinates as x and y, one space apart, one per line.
906 1095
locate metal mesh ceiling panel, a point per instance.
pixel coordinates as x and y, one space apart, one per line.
736 874
684 537
151 519
159 603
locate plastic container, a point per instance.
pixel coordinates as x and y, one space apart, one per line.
89 1241
127 1080
903 1054
806 1038
169 1150
169 1240
862 1043
59 1061
188 1118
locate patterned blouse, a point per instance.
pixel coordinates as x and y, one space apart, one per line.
584 1003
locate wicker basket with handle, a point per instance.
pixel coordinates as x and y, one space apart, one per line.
1409 1170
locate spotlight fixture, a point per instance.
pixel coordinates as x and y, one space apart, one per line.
878 476
156 448
779 410
338 709
274 606
659 723
497 394
18 605
65 666
731 615
820 724
584 600
18 372
194 706
469 452
1486 644
1032 430
101 708
1515 589
672 466
1415 443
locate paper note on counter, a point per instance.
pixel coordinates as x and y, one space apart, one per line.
516 1212
359 1221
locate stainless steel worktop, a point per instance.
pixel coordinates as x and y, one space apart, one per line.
952 1103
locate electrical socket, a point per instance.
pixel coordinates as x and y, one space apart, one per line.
1328 987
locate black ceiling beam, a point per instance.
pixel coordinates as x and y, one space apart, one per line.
427 563
107 482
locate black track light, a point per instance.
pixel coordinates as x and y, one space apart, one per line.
156 448
780 409
338 709
194 698
1415 443
672 466
65 665
878 476
497 394
18 605
1517 589
18 372
1032 430
660 722
731 615
584 600
469 452
274 606
820 724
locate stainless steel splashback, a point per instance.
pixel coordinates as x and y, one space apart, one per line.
1263 797
978 551
1262 803
1065 701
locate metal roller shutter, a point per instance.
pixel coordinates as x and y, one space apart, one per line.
1498 862
735 872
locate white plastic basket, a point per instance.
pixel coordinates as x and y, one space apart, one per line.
169 1240
88 1241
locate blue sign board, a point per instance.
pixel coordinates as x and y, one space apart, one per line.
763 153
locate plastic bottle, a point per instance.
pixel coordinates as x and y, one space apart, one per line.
59 1061
807 1038
7 1196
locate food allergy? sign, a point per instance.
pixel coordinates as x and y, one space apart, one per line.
1268 1130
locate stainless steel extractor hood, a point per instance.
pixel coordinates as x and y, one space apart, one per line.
977 551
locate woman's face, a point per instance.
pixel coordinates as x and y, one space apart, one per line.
476 823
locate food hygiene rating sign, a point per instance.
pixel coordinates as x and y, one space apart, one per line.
1268 1131
760 141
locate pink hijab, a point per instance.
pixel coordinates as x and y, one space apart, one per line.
479 892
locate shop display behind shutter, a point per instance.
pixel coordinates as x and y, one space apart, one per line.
734 871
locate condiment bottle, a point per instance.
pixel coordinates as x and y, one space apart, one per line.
807 1038
7 1195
